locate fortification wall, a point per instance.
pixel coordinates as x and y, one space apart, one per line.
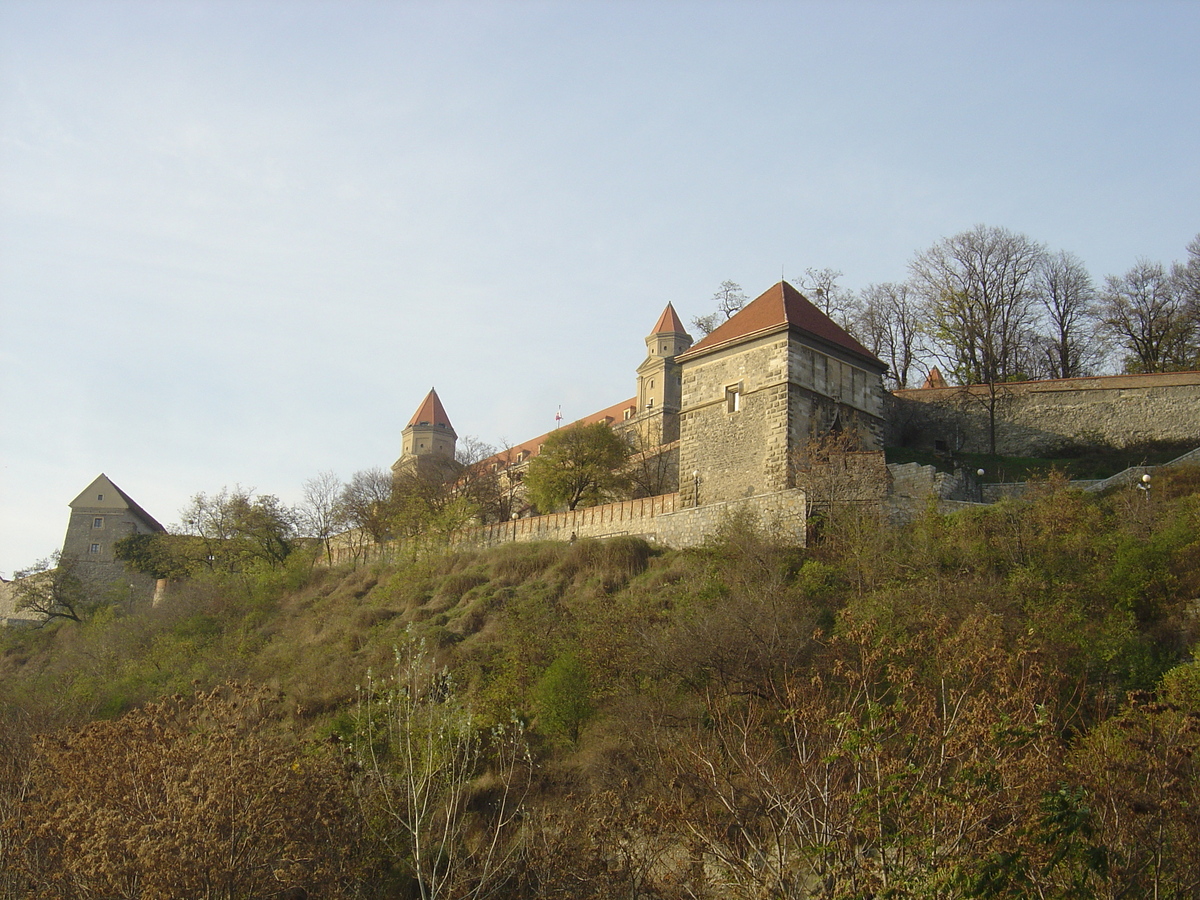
1047 418
659 519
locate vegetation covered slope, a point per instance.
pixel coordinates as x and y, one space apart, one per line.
1000 703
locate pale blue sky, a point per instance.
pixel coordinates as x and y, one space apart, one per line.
239 241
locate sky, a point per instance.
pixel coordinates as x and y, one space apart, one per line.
239 241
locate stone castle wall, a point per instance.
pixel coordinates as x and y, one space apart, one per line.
662 520
1047 418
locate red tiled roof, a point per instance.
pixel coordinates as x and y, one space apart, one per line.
431 412
612 414
779 307
668 322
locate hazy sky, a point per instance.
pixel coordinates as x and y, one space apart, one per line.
239 241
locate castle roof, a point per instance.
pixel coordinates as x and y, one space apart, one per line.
934 380
520 452
431 412
780 308
668 322
102 493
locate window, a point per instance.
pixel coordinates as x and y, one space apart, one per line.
98 522
99 496
733 398
95 548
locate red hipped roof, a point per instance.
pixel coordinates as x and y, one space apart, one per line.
779 307
431 412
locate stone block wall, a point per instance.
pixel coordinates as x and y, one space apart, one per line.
659 519
735 454
1046 418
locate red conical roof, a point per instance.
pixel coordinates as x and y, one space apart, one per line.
668 322
431 412
780 307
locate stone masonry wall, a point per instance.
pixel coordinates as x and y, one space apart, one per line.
660 519
732 455
1045 418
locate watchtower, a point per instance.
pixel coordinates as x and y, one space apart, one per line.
658 381
428 442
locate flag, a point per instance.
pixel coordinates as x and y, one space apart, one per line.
558 417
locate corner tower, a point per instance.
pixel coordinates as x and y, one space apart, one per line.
659 385
776 375
428 441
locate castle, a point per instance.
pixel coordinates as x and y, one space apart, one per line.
729 418
722 424
726 416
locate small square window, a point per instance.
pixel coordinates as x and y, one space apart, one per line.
733 398
95 548
98 522
99 496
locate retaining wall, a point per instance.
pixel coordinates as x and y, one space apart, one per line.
659 519
1046 418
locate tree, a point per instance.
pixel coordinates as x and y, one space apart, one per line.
238 527
1148 311
368 502
52 588
419 749
651 471
729 299
981 292
578 466
821 287
888 322
323 514
564 697
1069 299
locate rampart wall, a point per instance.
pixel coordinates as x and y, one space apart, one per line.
660 519
1047 418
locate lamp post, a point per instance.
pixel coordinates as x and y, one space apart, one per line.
979 473
514 521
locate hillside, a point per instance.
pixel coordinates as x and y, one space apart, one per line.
1000 703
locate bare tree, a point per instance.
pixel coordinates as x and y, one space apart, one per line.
323 513
821 287
367 500
420 751
729 299
888 321
1072 316
1147 309
981 291
650 469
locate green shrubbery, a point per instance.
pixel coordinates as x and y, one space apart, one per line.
998 703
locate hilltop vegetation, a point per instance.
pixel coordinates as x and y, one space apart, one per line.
1000 703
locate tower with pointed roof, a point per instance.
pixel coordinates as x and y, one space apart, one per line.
428 442
760 386
659 380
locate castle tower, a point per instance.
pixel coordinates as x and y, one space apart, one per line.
659 388
774 376
428 442
100 516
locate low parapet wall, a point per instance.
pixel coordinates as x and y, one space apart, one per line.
659 519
